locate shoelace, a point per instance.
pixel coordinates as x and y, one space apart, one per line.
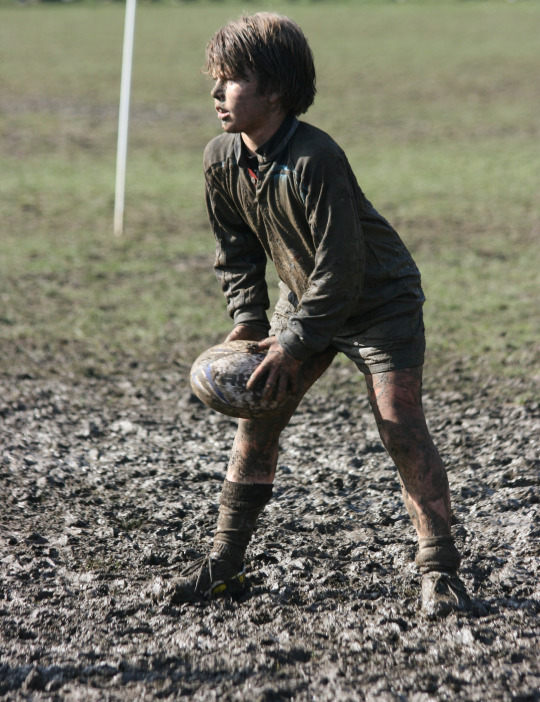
199 566
206 560
454 585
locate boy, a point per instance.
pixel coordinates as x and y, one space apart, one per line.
281 189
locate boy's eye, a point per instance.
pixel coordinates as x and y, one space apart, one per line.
228 78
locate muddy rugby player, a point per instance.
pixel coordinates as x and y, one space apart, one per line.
278 188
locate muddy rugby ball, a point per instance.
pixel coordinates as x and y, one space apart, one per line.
219 376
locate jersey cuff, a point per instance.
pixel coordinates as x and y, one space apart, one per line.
253 316
294 345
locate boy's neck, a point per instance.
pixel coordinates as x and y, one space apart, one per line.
253 141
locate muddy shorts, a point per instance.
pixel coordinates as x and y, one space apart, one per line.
392 339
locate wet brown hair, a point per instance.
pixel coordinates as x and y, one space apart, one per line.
271 47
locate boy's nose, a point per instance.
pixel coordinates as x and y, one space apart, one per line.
218 90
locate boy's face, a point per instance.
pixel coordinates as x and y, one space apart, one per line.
242 109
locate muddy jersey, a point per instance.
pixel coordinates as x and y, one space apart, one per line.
298 203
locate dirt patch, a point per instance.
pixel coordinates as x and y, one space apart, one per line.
112 482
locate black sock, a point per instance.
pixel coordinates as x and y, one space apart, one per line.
437 553
239 508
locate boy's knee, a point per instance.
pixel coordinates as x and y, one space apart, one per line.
259 430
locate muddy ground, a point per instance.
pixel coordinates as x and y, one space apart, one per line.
110 481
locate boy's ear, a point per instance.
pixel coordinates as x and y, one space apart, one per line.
274 98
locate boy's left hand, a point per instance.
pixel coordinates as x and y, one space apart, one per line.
279 371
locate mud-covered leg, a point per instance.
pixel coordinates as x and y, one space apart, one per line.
246 491
396 400
251 470
256 445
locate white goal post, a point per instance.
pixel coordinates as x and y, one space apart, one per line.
123 117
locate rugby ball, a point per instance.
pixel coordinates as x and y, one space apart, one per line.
219 376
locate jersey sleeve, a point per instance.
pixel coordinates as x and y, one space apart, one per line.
240 261
336 281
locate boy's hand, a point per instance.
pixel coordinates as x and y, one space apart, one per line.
279 371
243 332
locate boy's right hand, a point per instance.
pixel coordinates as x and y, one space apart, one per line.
243 332
279 372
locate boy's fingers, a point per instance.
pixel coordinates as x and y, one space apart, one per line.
282 388
278 372
257 374
270 385
264 344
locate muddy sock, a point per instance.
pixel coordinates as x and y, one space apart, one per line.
437 553
239 508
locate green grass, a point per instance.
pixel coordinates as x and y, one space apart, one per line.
435 103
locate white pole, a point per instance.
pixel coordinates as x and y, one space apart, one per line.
123 117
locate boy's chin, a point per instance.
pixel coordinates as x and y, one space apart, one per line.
227 127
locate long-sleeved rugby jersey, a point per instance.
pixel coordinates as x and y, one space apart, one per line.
303 208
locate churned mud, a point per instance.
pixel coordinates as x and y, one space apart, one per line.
111 483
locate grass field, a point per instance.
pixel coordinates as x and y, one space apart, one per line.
435 103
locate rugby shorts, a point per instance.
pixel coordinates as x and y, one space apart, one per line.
393 337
